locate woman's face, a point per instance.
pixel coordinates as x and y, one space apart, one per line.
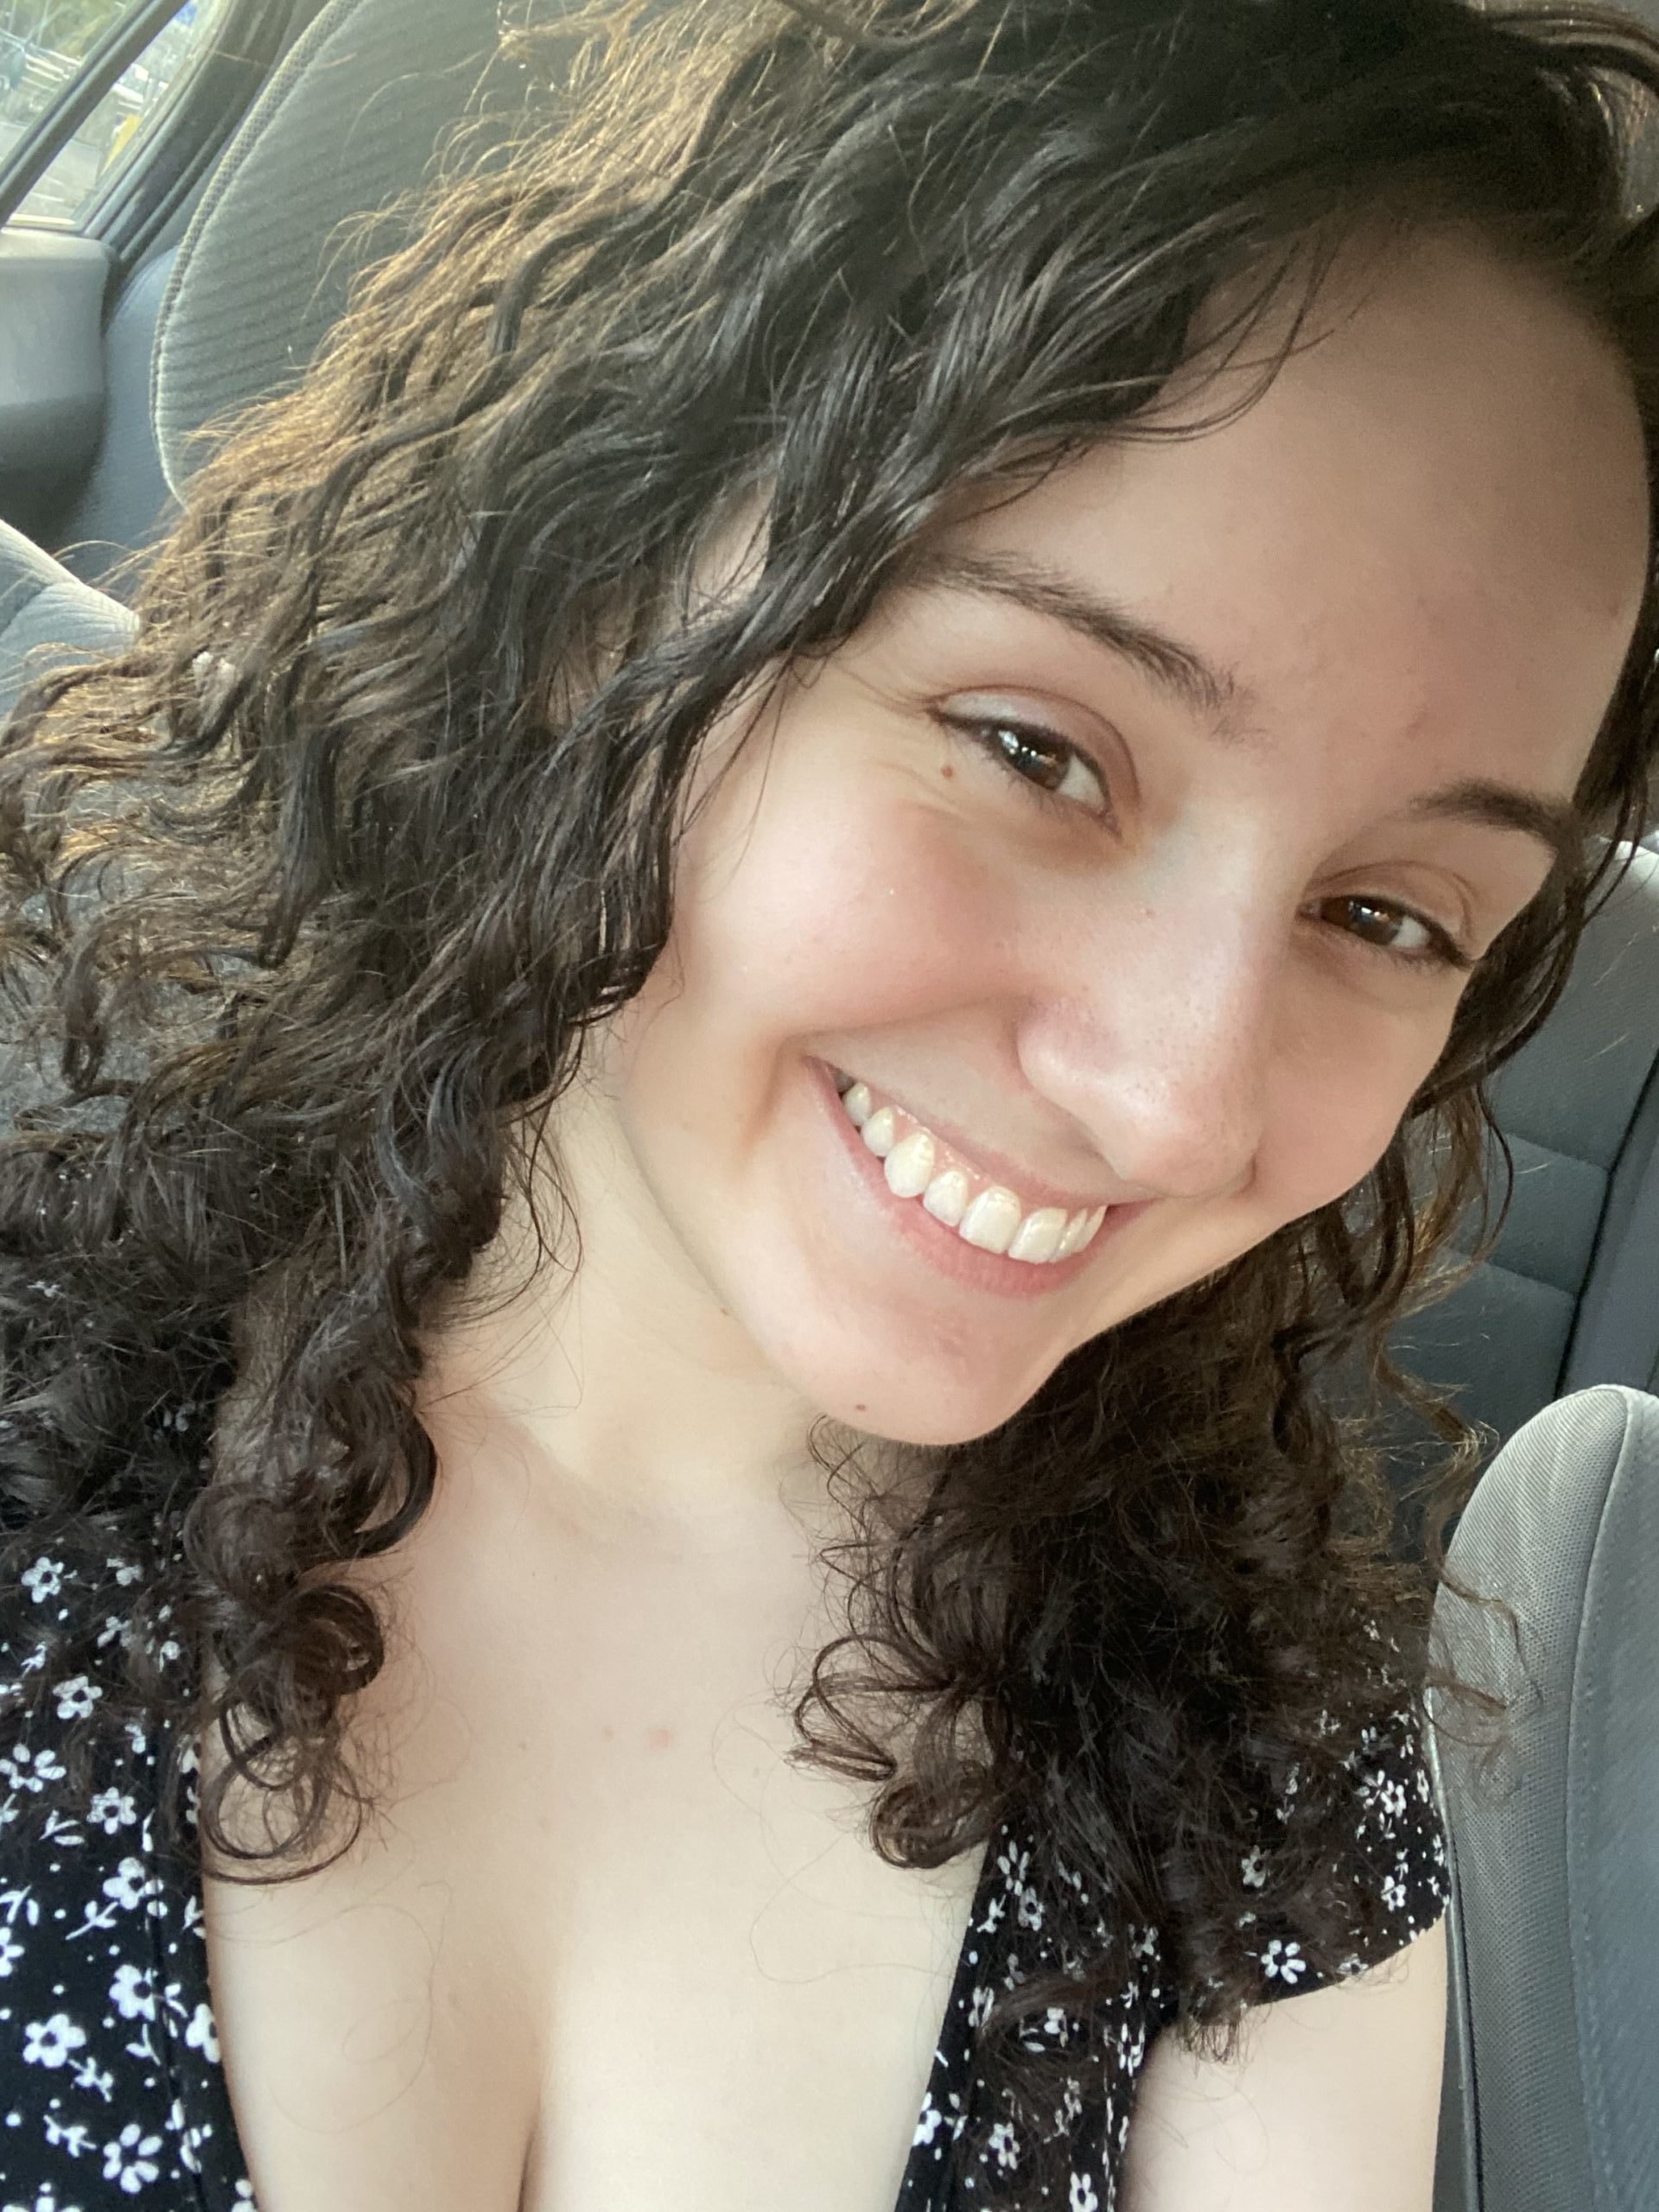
1133 856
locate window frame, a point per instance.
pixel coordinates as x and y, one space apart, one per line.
213 94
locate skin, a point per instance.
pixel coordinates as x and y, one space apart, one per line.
1418 559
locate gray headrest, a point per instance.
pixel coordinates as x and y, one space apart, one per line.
1555 1843
349 122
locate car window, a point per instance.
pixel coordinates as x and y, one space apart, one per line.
44 47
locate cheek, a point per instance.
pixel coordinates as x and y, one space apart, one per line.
1338 1103
837 912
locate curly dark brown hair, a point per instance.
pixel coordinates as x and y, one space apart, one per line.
311 895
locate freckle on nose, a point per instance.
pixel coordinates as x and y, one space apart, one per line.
659 1739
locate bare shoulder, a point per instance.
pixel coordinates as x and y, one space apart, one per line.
1330 2103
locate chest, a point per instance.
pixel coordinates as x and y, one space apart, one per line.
601 1944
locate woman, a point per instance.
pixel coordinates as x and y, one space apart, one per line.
732 1003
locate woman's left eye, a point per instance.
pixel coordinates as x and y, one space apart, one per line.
1394 930
1054 770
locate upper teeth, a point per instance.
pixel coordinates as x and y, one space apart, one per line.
981 1212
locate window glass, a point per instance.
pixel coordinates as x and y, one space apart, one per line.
42 45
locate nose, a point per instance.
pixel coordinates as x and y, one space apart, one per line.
1155 1032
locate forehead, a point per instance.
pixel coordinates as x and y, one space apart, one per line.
1433 519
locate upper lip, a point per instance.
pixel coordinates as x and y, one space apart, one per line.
1020 1180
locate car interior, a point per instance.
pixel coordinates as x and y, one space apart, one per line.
202 266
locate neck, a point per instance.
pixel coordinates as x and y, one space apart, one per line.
633 1389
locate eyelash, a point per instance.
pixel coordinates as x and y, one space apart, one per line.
1442 951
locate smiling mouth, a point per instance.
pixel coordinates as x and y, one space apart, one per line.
922 1168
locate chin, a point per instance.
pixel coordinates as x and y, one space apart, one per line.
905 1417
925 1396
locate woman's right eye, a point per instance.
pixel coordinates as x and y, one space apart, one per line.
1053 771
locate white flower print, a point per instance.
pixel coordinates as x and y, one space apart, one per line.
130 2159
74 2139
201 2035
1004 2145
46 2199
927 2126
1284 1960
1394 1893
1081 2196
77 1697
131 1884
112 1810
26 1770
1015 1864
979 2008
44 1579
189 2138
11 1951
91 2076
244 2194
1255 1869
48 2043
132 1993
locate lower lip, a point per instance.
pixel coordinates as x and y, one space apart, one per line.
949 1254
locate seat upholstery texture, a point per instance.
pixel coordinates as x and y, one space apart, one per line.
125 502
347 123
1570 1296
47 613
1553 2035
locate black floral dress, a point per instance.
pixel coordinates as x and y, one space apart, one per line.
111 2092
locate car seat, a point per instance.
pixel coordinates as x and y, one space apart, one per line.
46 613
1553 2046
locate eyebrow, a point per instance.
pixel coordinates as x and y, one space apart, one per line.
1210 689
1174 667
1556 824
